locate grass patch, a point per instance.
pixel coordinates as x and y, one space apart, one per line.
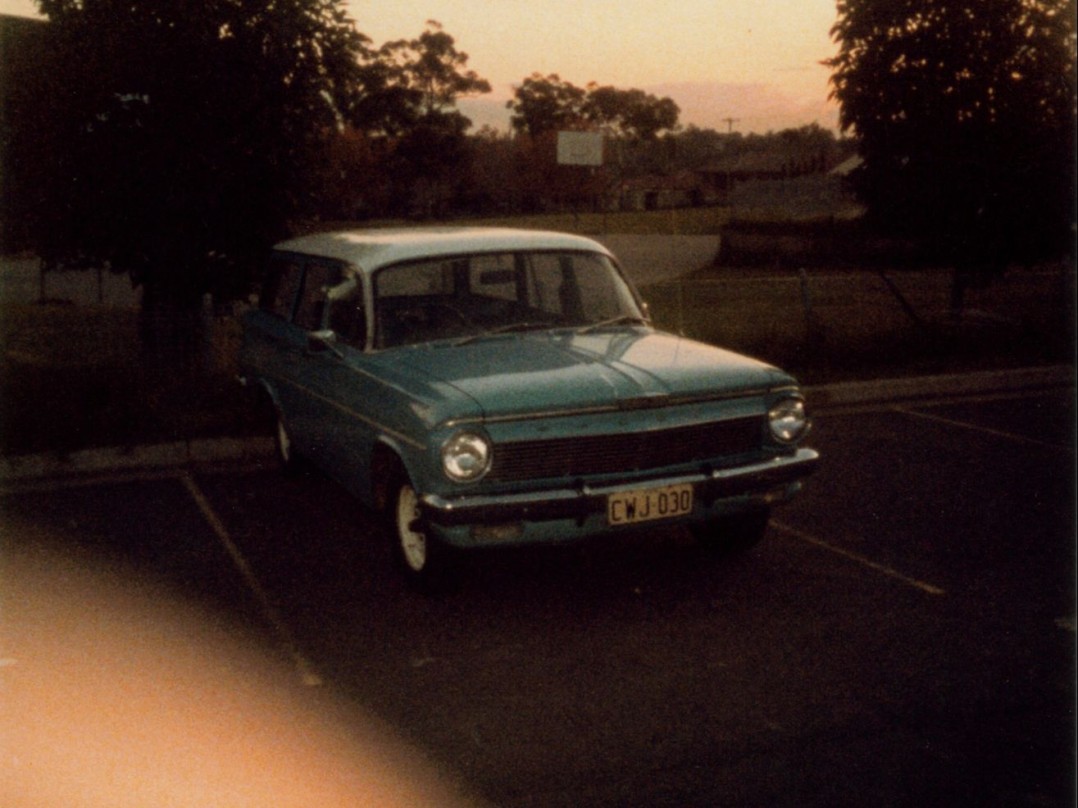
837 326
73 377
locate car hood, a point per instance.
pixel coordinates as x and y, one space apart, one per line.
569 372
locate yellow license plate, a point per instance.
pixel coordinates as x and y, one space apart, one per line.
646 504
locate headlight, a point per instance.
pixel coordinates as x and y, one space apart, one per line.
787 420
466 457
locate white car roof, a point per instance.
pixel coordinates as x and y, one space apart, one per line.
369 250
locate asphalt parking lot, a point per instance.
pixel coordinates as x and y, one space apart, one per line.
905 635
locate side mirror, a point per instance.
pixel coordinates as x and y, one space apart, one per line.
323 341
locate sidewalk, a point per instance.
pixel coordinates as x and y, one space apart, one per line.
207 452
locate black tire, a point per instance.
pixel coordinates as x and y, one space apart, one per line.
732 535
427 563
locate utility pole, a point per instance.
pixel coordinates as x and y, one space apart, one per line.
730 124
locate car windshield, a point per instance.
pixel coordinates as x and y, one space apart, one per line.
474 296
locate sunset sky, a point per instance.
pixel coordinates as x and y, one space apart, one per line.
757 62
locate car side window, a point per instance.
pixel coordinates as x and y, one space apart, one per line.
346 315
283 280
312 303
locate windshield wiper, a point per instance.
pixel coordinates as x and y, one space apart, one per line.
511 328
621 319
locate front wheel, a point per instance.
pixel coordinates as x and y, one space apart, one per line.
426 562
732 535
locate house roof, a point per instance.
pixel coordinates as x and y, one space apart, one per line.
681 181
847 166
754 162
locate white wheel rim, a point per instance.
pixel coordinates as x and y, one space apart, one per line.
413 544
284 443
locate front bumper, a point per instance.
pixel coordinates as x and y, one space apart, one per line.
578 511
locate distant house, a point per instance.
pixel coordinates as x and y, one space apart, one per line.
660 192
847 166
722 175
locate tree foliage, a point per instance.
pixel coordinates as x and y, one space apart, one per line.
631 113
965 116
431 74
183 131
544 104
425 77
183 136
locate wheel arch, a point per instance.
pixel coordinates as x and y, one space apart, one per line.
265 394
386 464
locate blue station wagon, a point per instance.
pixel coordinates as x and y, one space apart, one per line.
493 387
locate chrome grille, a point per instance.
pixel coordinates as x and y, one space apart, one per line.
626 452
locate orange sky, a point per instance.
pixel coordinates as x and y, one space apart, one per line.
756 61
753 60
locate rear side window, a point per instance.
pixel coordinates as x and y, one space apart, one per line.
319 280
283 280
295 289
346 316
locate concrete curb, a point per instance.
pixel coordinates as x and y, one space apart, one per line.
212 451
133 459
853 394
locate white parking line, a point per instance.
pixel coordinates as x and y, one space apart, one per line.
860 559
306 672
983 429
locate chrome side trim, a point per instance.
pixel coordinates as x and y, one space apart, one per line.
350 412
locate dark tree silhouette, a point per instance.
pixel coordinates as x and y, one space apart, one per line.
426 77
183 131
965 116
633 114
544 104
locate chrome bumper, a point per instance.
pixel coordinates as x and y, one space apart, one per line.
578 503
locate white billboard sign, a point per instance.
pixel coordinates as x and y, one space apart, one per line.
580 149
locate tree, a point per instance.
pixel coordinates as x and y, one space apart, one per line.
965 116
23 145
547 104
431 72
184 132
428 75
544 104
632 114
